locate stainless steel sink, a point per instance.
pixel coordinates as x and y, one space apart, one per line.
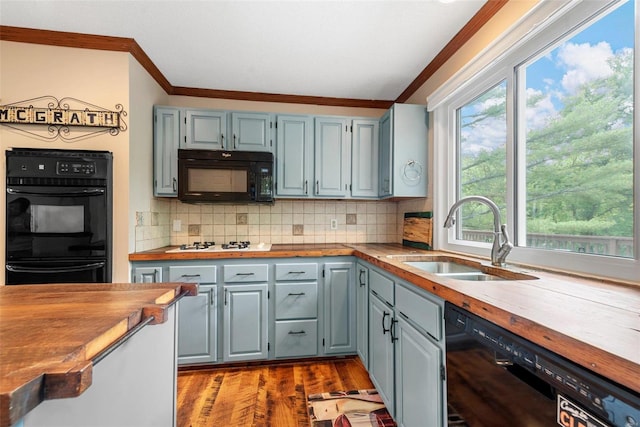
443 267
453 268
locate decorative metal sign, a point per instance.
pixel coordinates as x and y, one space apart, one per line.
58 116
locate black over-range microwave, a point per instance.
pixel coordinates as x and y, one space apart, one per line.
206 176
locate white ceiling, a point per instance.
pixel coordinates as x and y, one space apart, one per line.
345 49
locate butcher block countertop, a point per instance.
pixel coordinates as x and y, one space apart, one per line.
595 323
50 333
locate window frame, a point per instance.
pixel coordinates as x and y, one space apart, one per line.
542 27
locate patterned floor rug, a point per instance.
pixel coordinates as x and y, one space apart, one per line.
348 408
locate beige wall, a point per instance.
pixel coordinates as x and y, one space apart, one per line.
98 77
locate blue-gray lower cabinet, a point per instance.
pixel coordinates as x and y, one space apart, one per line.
197 316
362 313
197 327
245 325
339 308
406 349
418 377
382 350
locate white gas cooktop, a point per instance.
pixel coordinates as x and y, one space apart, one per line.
225 247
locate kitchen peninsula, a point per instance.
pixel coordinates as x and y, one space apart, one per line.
69 348
594 323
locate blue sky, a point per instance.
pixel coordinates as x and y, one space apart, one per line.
583 57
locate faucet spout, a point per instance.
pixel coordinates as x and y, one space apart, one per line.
501 245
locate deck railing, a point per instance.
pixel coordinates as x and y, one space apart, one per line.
600 245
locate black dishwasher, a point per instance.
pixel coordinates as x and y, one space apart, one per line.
497 378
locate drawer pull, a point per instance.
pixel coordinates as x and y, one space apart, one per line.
298 294
296 272
245 274
190 276
297 333
385 330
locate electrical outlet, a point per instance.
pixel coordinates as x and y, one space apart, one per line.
334 224
177 225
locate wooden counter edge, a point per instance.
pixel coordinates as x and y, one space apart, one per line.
69 380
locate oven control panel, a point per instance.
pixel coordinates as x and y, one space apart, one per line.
75 167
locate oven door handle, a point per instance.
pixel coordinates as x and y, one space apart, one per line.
83 267
83 192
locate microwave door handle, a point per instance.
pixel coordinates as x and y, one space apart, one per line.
52 192
83 267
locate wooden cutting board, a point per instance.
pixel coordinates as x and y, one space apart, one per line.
417 230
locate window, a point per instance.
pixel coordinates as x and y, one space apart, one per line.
482 143
546 130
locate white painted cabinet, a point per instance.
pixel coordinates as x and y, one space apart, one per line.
134 385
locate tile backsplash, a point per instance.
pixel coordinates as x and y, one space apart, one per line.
171 222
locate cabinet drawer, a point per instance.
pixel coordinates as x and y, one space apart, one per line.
419 310
246 273
193 273
382 285
296 272
296 300
296 338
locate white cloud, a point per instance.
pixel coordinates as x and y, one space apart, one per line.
539 114
584 62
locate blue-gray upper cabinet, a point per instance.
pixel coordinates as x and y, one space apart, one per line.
205 130
403 151
364 158
251 132
294 156
332 157
166 137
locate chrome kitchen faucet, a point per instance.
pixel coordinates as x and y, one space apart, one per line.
499 250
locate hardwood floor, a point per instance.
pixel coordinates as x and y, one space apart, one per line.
272 395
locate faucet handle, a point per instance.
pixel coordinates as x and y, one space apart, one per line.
505 233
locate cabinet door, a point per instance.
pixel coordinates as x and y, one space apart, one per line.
364 158
386 130
205 129
166 139
251 132
362 313
419 385
147 275
332 157
197 327
294 156
245 330
339 308
381 350
409 145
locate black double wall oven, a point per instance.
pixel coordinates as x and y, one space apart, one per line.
58 216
